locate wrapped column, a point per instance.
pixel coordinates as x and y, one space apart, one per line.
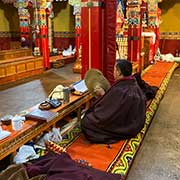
44 37
134 30
77 68
98 20
92 35
24 19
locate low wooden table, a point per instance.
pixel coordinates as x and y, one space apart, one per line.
32 129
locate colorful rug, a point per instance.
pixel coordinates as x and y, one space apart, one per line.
118 157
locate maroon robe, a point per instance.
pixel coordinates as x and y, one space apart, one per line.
62 167
119 114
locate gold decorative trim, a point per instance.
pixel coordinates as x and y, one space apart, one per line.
6 34
170 35
64 34
91 4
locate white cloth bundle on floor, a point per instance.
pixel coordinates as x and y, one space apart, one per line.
54 135
25 154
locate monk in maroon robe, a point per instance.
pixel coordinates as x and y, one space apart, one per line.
120 112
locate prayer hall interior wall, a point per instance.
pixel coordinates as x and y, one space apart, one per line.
63 23
169 28
9 26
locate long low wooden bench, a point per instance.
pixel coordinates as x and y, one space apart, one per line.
14 67
31 128
14 53
18 59
19 68
17 64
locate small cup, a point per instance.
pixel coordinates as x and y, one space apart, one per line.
17 123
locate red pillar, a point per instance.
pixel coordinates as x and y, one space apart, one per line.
44 37
153 22
134 44
37 40
24 18
24 31
78 33
157 29
78 40
36 35
98 36
92 32
45 46
77 67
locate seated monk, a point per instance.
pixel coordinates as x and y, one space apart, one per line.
120 112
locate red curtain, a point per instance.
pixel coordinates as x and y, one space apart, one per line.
109 39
